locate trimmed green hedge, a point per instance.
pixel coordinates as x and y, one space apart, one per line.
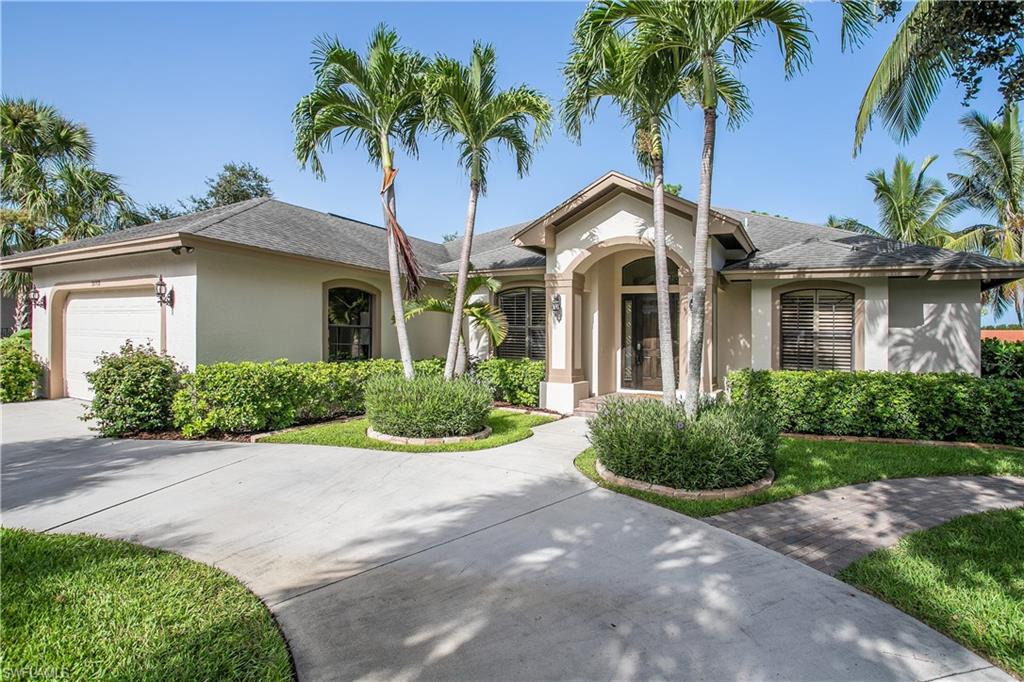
512 381
1002 359
427 406
19 368
954 407
133 390
248 397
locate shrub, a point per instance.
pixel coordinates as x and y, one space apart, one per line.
19 368
887 404
247 397
427 406
512 381
723 446
1002 359
133 390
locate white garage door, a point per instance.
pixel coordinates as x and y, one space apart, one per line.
97 322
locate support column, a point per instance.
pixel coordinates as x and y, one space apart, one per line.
565 386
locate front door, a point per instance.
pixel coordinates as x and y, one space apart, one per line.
641 357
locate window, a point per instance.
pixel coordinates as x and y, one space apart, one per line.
524 309
816 329
641 272
349 324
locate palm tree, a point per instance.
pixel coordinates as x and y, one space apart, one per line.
482 313
717 38
608 65
993 183
912 207
849 224
378 101
465 105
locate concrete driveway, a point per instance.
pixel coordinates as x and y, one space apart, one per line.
499 564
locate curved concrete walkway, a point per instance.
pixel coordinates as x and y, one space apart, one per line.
831 529
494 564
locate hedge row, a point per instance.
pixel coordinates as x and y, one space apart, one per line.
955 407
1002 358
247 397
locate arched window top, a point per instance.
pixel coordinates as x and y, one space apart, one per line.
641 272
349 323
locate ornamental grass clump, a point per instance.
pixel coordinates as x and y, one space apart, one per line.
723 446
427 406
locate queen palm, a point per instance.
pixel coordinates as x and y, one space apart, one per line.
376 100
465 105
993 183
607 65
480 313
913 207
716 37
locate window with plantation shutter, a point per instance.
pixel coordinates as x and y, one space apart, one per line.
524 309
816 329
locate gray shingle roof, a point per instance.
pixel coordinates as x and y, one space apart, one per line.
285 228
783 243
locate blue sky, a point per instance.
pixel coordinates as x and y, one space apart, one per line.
171 91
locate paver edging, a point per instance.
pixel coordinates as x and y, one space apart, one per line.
679 493
446 440
902 441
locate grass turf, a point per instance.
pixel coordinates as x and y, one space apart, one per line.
506 427
805 466
964 578
81 607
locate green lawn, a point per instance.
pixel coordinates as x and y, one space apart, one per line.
506 426
964 578
80 607
805 466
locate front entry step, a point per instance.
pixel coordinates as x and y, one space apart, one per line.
588 407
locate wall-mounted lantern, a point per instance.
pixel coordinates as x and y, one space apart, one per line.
37 300
556 306
164 296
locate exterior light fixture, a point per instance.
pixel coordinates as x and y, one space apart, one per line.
164 296
556 306
37 300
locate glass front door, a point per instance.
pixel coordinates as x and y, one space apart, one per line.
641 356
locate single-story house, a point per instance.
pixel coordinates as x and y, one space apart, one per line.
264 279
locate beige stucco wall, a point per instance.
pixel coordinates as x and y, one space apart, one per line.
261 307
935 326
179 272
733 323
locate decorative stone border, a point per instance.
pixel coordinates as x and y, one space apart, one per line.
402 440
679 493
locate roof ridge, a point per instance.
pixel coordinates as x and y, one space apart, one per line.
232 211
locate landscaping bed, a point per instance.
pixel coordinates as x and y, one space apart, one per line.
506 427
805 466
81 607
965 578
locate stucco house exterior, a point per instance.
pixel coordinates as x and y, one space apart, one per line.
264 279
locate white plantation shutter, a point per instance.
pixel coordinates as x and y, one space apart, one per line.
524 309
816 329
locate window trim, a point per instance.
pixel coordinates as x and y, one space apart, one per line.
531 324
858 316
375 314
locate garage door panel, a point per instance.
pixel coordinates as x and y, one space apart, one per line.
100 322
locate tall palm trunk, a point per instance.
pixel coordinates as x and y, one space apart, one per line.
397 300
700 266
22 311
668 368
460 283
